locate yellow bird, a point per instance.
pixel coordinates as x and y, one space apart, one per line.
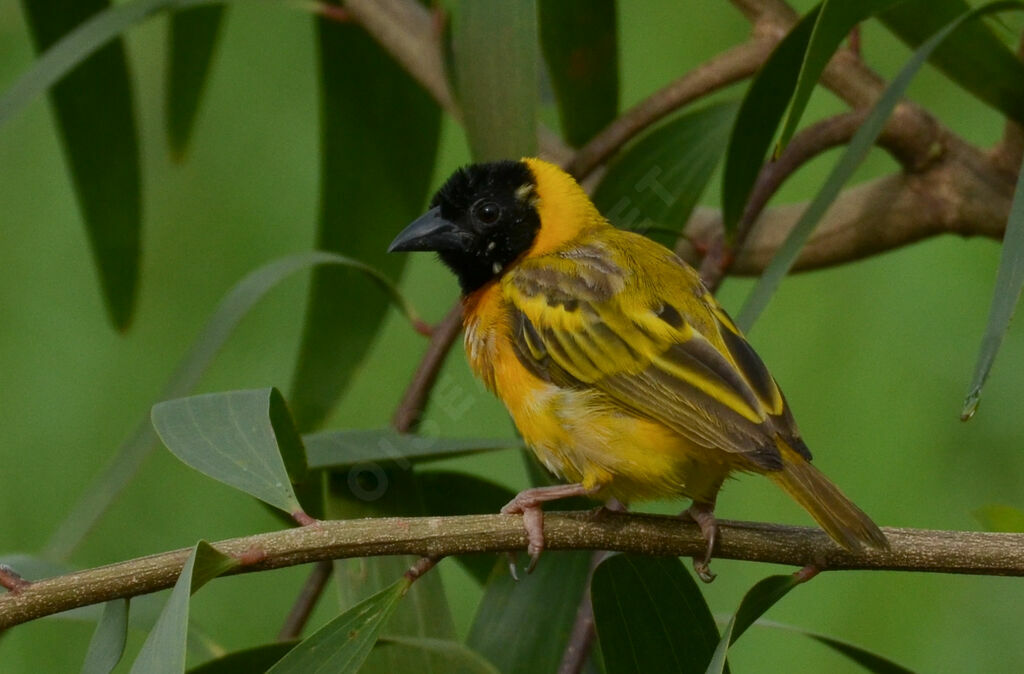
619 368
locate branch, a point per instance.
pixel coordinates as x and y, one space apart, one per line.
912 550
724 69
306 601
415 398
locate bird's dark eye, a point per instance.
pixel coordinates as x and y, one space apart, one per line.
487 212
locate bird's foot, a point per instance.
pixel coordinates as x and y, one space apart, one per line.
528 504
704 515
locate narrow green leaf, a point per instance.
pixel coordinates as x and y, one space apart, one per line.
164 649
100 144
256 659
851 158
1004 518
511 632
341 646
756 601
580 45
345 448
369 491
456 657
494 46
651 616
107 645
233 438
379 135
657 181
973 56
191 41
236 304
835 21
870 661
758 118
451 493
1009 283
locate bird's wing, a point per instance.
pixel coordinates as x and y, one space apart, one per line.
624 315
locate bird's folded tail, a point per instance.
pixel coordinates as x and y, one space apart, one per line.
847 524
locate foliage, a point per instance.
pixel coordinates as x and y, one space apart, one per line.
182 197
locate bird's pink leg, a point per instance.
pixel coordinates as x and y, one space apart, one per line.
528 504
703 513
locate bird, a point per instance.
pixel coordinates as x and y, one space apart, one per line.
619 368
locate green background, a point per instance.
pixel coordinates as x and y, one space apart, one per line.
874 357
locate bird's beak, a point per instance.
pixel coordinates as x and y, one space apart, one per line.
430 231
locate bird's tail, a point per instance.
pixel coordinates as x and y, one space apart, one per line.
847 524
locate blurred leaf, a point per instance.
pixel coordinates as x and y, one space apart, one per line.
369 491
657 181
872 662
851 158
756 601
1009 283
164 649
1004 518
257 659
973 56
191 40
758 118
236 304
835 21
494 47
455 656
650 616
98 135
580 45
344 448
450 493
341 646
107 644
524 626
378 140
234 438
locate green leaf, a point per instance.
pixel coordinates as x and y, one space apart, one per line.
511 632
1004 518
345 448
235 438
758 118
580 45
107 645
851 158
99 139
835 21
379 136
257 659
973 56
1009 283
191 41
863 657
450 493
236 304
342 645
164 649
494 47
651 616
456 657
656 182
756 601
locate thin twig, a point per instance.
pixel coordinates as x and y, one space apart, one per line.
722 70
306 601
415 398
11 580
911 550
581 638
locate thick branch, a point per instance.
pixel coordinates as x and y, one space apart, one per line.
912 550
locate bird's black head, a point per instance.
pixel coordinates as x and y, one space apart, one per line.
480 221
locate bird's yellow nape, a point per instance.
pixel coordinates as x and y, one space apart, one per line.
563 207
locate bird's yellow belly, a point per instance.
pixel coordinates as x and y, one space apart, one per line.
583 437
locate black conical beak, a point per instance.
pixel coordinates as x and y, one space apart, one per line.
430 231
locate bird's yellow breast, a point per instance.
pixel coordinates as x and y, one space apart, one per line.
579 433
